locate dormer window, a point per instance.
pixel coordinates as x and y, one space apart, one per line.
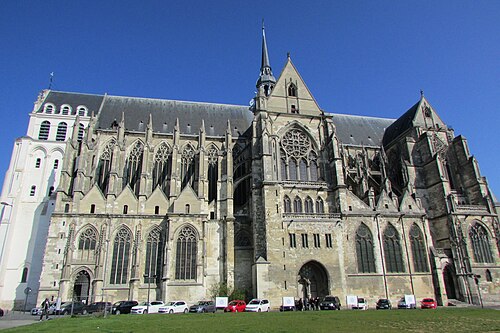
292 90
65 109
82 111
49 108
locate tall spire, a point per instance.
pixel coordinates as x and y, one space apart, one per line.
266 78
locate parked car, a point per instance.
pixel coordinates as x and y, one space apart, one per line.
1 312
143 308
284 308
258 305
403 305
123 307
428 303
203 306
361 304
174 307
383 303
71 308
98 307
330 303
235 306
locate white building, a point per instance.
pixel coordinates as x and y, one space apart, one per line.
29 188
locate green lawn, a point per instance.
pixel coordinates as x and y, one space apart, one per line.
441 320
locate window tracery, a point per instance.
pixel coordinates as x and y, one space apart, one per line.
121 257
298 159
162 168
364 250
418 249
87 243
134 167
185 264
480 244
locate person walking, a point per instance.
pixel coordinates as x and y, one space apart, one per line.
44 309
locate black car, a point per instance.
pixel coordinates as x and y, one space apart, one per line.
203 306
71 308
383 303
123 307
330 303
97 307
284 308
1 313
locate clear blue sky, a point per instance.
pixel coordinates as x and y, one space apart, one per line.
357 57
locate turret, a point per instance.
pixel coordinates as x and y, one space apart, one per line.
266 79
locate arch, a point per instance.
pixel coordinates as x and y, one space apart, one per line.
121 256
81 286
188 166
82 110
104 166
313 280
418 249
44 131
65 109
392 250
287 204
24 276
449 278
364 249
297 205
49 108
186 253
480 243
213 171
133 167
87 242
308 205
320 206
292 90
61 131
162 168
154 250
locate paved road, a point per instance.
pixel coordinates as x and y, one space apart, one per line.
14 319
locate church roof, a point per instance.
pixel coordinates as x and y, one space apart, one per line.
401 124
59 98
166 112
360 130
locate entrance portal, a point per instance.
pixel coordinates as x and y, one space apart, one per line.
81 288
449 282
314 280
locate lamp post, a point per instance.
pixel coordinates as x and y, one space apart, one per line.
147 276
476 279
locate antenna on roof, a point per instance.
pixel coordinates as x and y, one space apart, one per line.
50 80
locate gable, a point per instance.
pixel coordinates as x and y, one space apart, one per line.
187 197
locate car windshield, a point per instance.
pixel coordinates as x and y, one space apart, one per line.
170 303
383 301
254 302
117 303
233 303
202 303
144 304
329 299
428 300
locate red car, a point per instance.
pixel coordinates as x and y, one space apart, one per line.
428 303
236 306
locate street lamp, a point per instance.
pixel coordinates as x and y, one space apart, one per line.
147 276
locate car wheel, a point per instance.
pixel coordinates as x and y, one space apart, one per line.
117 312
259 309
267 310
171 311
185 311
145 312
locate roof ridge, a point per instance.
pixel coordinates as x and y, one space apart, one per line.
359 116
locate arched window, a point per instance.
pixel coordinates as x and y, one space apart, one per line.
81 132
133 168
392 250
65 109
86 243
44 130
320 207
309 205
121 257
188 167
418 250
284 175
185 263
154 260
61 131
292 171
162 168
489 278
49 108
82 111
287 204
298 160
213 165
24 276
297 205
292 90
104 166
364 250
313 167
480 244
303 169
56 164
38 162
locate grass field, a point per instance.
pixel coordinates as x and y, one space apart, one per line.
441 320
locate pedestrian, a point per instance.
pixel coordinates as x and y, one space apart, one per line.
44 309
305 304
300 305
317 303
311 302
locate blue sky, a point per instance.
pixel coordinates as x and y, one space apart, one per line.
357 57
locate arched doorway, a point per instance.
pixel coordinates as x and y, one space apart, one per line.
81 288
449 282
313 280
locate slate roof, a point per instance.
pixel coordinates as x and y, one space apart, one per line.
165 113
400 125
59 98
360 130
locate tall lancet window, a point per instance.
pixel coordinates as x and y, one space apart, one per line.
392 250
313 166
480 244
81 132
418 249
162 168
87 243
364 250
212 173
134 167
185 263
121 257
104 166
154 252
188 167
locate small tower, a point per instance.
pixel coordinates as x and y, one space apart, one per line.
266 79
